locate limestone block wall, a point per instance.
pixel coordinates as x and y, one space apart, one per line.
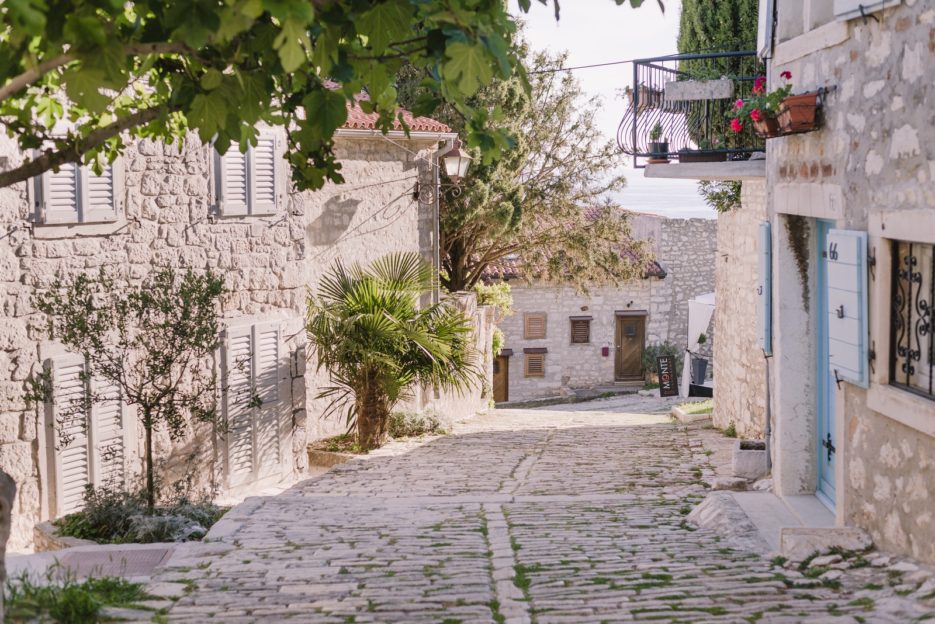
875 153
269 264
739 367
570 365
686 248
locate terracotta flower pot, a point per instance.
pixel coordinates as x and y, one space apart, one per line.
797 113
767 127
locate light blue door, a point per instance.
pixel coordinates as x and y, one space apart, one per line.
826 443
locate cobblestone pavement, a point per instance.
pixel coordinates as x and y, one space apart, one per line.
541 516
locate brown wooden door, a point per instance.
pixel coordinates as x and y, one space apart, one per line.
501 378
630 338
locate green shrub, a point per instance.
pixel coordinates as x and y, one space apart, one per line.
497 295
407 424
651 352
731 430
115 517
496 342
67 600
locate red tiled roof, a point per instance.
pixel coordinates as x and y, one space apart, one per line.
357 119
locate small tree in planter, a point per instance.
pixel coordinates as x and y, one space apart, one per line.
151 341
370 334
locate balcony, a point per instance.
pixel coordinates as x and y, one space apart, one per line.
679 104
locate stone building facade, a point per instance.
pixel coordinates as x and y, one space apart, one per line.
852 207
183 206
685 252
740 370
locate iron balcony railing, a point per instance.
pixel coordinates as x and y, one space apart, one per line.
693 113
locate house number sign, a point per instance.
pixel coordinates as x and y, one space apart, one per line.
668 383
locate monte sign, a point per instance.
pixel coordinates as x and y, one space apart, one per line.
668 384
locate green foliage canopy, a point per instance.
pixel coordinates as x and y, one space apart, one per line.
544 200
78 77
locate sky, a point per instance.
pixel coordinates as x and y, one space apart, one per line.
598 31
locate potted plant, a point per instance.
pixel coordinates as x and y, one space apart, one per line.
761 108
708 151
798 113
658 145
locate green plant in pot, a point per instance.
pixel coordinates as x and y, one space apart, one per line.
709 150
658 145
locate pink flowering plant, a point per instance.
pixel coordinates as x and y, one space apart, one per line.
761 105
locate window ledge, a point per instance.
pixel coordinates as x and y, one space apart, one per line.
904 407
78 230
831 34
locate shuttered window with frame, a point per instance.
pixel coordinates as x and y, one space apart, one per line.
253 404
534 325
248 183
535 364
88 436
845 260
580 330
75 194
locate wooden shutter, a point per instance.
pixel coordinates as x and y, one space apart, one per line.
267 378
231 182
59 193
99 193
107 428
534 326
849 9
264 160
845 258
238 391
70 422
764 289
535 364
580 331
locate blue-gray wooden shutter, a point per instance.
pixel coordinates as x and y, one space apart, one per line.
845 258
764 290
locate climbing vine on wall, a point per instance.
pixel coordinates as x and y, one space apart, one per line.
797 231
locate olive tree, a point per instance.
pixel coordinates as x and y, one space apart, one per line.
151 340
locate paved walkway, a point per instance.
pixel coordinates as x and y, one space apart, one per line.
567 514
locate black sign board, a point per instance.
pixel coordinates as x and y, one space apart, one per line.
668 381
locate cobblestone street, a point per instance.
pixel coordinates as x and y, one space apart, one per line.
566 514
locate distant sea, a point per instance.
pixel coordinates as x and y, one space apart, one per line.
672 198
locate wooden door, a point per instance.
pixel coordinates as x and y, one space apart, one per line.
630 338
501 378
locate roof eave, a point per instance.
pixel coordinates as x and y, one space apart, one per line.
414 135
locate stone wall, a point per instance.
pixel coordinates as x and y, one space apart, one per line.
684 247
268 264
739 367
875 153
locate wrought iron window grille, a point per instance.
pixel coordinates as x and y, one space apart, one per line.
912 349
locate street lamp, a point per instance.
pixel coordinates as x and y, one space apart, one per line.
456 161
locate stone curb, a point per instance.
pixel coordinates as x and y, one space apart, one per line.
680 415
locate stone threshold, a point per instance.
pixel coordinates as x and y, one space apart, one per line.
797 526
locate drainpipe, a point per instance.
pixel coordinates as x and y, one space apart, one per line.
769 419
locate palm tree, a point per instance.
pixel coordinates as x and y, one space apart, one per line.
370 333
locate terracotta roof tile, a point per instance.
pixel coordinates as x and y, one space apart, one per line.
357 119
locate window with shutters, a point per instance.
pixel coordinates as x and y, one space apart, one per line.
88 436
253 404
534 325
580 330
248 183
535 364
75 194
912 349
